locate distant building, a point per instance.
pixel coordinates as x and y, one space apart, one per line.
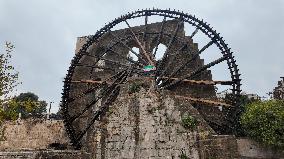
252 96
222 94
278 91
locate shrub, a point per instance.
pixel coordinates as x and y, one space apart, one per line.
183 156
189 122
24 104
10 112
134 87
235 114
2 116
264 122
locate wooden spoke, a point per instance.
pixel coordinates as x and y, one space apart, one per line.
128 59
88 106
197 71
89 90
115 62
188 61
91 82
170 62
206 46
97 59
94 88
94 66
111 98
141 47
105 92
108 60
161 64
159 37
101 110
205 101
119 56
145 31
195 32
131 50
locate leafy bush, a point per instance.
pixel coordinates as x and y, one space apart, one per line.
2 115
189 122
134 87
26 103
235 114
29 103
183 155
264 122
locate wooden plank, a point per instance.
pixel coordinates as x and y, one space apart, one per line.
206 82
206 101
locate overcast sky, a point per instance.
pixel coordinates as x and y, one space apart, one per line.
44 33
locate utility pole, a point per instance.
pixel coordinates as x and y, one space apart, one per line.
48 114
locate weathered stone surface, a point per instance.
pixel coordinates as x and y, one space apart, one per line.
218 146
146 124
45 154
31 134
248 148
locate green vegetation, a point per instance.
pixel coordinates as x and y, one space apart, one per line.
183 156
264 122
134 87
243 101
8 75
189 122
26 103
2 133
8 80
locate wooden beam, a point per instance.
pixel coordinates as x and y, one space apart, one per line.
206 101
206 82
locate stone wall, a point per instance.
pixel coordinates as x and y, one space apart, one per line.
249 149
24 139
218 147
147 124
44 154
31 134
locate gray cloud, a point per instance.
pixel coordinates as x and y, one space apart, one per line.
45 32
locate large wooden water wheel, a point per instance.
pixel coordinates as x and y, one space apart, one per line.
110 57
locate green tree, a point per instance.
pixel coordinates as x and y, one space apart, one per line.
8 82
264 122
28 104
27 96
8 75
